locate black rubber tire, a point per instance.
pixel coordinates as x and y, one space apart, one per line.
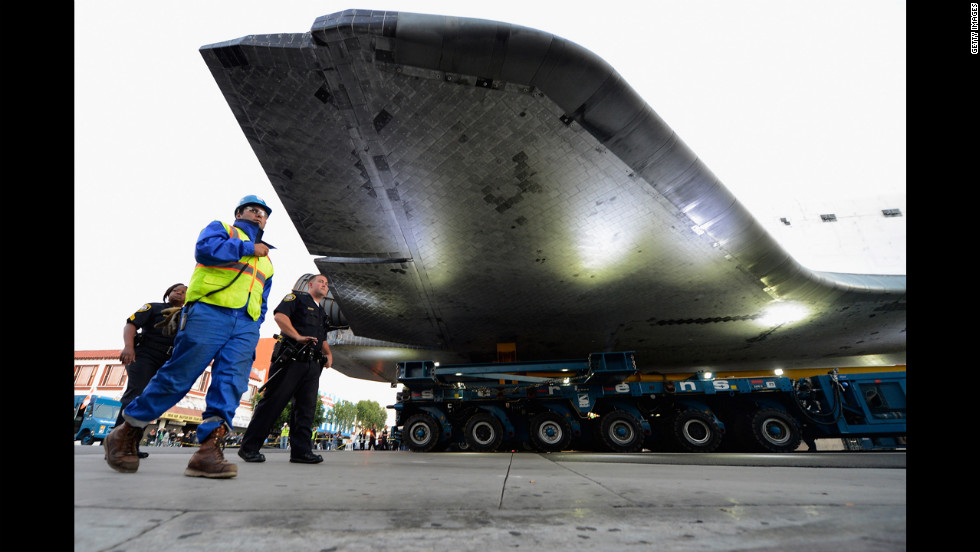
621 432
773 430
421 432
550 432
695 431
87 439
483 432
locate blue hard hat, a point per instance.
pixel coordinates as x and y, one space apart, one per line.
253 200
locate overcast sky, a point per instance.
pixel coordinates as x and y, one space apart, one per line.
783 101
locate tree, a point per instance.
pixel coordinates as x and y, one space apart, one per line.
320 415
344 414
371 415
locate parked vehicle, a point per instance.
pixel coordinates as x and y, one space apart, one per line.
95 416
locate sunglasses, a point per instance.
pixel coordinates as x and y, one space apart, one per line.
258 212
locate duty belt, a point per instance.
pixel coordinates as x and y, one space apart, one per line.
294 351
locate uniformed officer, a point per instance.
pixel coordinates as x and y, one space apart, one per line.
227 299
145 352
302 322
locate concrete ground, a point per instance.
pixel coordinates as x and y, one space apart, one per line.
404 501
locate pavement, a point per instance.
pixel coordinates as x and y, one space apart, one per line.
405 501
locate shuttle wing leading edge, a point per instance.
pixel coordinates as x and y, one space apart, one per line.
465 183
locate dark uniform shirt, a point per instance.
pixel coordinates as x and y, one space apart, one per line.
150 338
306 316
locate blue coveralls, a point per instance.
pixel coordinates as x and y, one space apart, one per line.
226 336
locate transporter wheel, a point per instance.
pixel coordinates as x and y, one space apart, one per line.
483 432
421 432
87 439
695 431
550 432
621 432
773 430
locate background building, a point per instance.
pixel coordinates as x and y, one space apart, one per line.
101 373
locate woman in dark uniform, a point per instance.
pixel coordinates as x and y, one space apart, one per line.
145 352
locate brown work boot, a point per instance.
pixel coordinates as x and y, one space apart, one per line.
121 448
209 461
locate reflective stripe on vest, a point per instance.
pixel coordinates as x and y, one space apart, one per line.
248 287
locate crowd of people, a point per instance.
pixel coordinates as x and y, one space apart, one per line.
329 440
368 440
362 440
164 437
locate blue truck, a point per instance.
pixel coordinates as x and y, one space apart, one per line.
95 416
603 403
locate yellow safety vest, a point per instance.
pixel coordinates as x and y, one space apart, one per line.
247 288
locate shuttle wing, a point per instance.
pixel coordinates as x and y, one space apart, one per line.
465 183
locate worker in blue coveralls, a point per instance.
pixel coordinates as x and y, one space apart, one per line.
219 324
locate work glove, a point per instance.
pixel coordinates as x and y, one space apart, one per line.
171 317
